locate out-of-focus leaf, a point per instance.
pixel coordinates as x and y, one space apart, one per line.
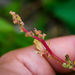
40 22
48 4
63 10
23 41
11 41
5 26
13 6
66 11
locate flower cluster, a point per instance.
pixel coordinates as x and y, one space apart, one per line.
41 49
38 32
17 20
29 34
70 64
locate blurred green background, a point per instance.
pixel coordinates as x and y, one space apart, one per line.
53 17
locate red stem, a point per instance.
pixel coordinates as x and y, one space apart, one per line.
24 29
46 46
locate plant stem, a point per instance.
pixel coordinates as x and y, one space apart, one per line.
46 46
49 50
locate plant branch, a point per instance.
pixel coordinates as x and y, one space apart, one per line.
17 20
46 46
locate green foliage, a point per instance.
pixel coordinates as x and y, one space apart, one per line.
14 6
66 12
5 26
40 22
63 10
10 41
